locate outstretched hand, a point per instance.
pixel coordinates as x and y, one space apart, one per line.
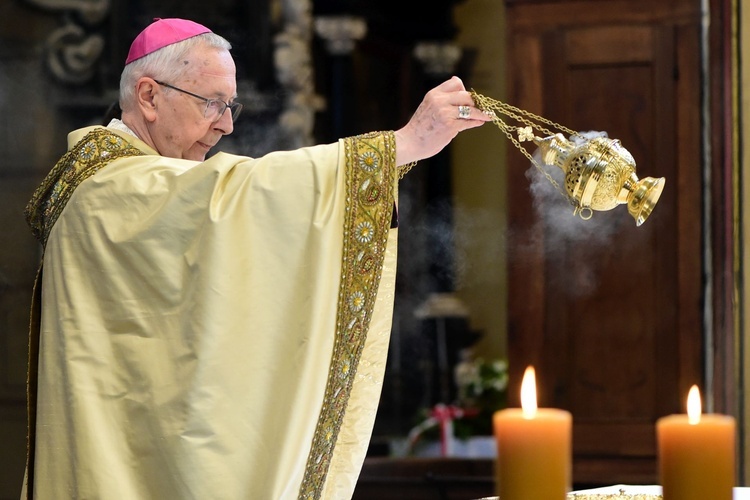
437 120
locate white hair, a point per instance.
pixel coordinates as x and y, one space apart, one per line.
164 64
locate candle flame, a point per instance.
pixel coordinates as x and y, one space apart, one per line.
528 393
694 405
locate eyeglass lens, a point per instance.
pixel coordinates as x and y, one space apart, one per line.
215 109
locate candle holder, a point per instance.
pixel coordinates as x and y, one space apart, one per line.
599 172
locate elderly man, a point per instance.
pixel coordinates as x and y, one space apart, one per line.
213 328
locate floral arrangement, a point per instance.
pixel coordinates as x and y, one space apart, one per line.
482 390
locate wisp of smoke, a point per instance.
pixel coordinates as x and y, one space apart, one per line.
562 228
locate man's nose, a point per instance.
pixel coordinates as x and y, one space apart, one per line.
225 123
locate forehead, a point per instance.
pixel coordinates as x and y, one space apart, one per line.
209 64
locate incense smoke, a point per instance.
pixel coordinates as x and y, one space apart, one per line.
569 241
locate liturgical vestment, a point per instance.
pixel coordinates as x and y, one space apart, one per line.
209 330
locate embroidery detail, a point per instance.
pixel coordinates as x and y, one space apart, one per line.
364 232
88 156
369 161
365 263
370 193
370 168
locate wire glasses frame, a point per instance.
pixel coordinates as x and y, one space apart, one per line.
215 108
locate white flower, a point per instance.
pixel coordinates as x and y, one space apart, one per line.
364 232
475 378
356 301
368 161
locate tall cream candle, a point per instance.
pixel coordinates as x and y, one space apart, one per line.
696 454
534 449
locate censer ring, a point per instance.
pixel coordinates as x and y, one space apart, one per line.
599 172
585 213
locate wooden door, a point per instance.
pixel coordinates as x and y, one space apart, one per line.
609 313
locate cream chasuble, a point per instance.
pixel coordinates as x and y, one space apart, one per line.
212 330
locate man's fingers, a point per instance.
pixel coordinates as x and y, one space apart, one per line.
453 84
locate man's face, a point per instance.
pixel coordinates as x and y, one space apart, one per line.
180 129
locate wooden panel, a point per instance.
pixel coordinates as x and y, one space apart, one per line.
597 306
688 223
595 45
588 472
535 15
425 479
599 437
525 255
618 271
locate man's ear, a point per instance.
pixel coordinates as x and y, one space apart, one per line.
145 97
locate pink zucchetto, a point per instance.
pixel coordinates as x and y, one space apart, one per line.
163 32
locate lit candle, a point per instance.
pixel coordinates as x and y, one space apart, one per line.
533 448
696 453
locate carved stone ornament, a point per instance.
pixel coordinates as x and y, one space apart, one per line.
90 11
340 32
438 58
294 70
71 52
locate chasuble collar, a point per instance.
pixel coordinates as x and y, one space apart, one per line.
98 147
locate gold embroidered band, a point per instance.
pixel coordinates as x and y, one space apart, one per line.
370 170
88 156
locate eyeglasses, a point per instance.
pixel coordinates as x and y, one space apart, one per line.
215 108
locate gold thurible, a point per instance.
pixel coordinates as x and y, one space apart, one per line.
599 173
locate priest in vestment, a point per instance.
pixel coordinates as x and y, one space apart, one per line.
213 328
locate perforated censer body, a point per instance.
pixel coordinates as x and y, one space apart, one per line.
599 175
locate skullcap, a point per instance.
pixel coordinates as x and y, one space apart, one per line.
163 32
